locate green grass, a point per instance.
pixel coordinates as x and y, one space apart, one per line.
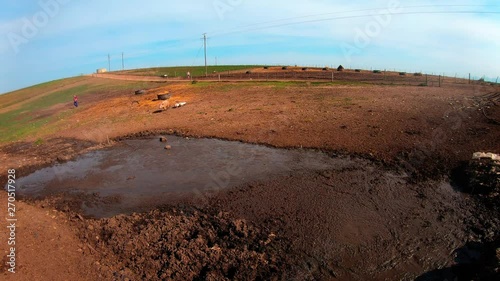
181 71
22 121
32 92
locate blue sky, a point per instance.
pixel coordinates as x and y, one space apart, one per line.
49 39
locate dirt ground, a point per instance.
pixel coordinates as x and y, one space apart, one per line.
394 219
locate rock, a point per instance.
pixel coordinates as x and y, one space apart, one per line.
179 104
484 155
482 175
163 139
168 147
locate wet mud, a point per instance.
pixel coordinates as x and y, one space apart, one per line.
217 210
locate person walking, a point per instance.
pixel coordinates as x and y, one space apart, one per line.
75 101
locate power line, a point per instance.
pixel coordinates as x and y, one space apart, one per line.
351 11
197 54
357 16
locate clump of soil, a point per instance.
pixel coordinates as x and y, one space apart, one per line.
185 243
483 176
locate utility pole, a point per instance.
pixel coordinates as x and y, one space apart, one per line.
123 64
109 62
205 46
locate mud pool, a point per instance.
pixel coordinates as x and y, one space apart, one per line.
136 175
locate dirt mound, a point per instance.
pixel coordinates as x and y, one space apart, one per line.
187 244
483 176
480 177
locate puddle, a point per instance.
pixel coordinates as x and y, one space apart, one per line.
143 175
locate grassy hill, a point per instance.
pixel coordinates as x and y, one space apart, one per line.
31 110
181 71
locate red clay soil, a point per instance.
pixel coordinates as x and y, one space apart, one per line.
390 218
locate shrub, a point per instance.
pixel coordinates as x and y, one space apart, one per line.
377 71
418 74
357 70
402 73
284 68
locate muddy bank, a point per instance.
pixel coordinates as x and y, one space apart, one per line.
350 224
310 219
288 214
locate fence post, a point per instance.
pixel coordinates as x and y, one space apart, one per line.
426 80
469 78
332 76
219 77
439 80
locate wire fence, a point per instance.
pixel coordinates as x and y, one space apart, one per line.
333 75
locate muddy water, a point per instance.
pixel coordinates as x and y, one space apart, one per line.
141 174
345 217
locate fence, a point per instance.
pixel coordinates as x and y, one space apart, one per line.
332 75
